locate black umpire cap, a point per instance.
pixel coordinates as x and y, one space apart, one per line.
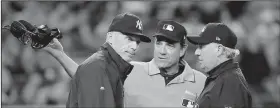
217 33
171 30
129 24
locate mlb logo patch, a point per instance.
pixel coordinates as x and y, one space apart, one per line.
189 104
168 27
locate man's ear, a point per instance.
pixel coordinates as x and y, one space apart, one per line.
183 50
220 50
109 37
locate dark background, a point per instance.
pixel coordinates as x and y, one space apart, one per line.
34 78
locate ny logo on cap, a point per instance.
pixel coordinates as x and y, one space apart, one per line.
168 27
139 25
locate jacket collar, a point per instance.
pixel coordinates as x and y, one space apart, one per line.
223 67
187 75
112 56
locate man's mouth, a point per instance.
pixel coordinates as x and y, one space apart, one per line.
131 54
161 58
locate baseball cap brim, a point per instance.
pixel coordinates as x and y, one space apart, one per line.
168 37
142 37
198 40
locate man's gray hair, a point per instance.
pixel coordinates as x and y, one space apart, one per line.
230 53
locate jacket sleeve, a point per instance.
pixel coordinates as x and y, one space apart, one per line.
72 98
229 93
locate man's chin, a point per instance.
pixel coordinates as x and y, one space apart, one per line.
127 59
161 65
205 70
202 69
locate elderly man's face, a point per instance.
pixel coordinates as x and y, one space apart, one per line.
207 56
166 52
125 45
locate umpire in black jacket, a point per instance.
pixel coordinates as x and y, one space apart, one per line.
225 86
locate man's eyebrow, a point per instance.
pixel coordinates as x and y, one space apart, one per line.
129 37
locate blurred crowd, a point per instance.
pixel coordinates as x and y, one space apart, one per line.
33 77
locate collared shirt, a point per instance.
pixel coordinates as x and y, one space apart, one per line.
145 87
225 87
169 78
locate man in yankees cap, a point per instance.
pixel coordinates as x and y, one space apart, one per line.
225 86
98 81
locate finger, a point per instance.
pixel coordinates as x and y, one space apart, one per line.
51 43
55 40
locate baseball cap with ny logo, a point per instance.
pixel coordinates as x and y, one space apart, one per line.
130 24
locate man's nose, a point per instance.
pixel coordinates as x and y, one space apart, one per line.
197 52
162 49
134 45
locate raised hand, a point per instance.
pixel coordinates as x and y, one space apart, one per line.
54 47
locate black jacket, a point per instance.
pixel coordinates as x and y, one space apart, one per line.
225 87
99 80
